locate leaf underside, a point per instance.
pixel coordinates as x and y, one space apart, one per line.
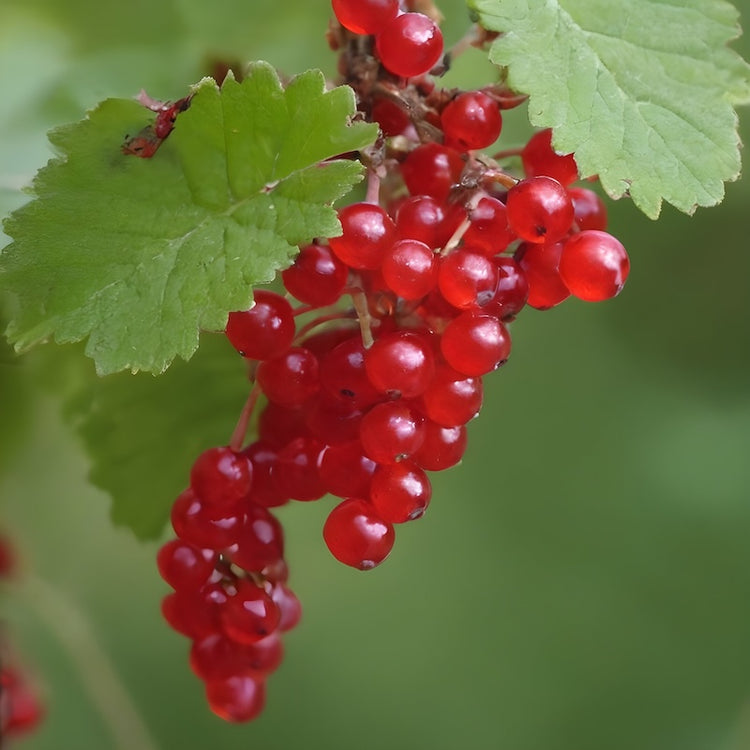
641 91
138 255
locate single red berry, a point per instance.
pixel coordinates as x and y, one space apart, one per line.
364 16
488 231
317 277
183 566
472 120
345 470
426 219
512 289
541 266
409 45
400 492
401 363
452 398
442 447
237 698
467 279
390 432
289 606
432 169
202 526
540 210
589 209
296 470
264 492
221 478
410 269
343 374
475 344
367 233
291 379
357 536
539 158
265 330
594 265
260 541
249 614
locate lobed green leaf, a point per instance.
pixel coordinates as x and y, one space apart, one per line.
142 433
641 91
138 255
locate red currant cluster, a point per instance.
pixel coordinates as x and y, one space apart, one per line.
20 707
370 380
228 574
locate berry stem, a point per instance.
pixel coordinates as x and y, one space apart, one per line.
359 298
305 329
373 187
240 431
508 153
461 229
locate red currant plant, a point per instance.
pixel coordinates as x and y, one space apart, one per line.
150 229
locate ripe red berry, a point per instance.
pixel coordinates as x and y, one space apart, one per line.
265 330
541 266
432 169
589 209
364 16
400 492
260 541
183 566
512 289
317 277
594 265
467 279
410 269
401 363
442 447
249 613
539 158
357 536
452 398
345 470
470 121
343 374
367 233
390 432
296 470
236 698
424 218
291 379
221 477
475 344
409 45
489 232
202 526
539 210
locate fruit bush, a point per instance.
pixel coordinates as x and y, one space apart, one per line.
579 578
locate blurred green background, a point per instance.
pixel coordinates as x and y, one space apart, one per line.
582 580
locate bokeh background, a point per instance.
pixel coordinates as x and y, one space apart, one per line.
581 581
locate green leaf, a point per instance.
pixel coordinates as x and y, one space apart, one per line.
138 255
142 433
641 91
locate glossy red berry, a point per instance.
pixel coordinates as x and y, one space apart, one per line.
221 477
265 330
594 265
589 209
183 566
357 536
364 16
410 269
390 432
452 398
291 379
317 277
432 169
441 448
540 210
367 234
489 232
475 344
236 698
541 266
467 279
249 614
409 45
400 492
400 364
539 158
470 121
